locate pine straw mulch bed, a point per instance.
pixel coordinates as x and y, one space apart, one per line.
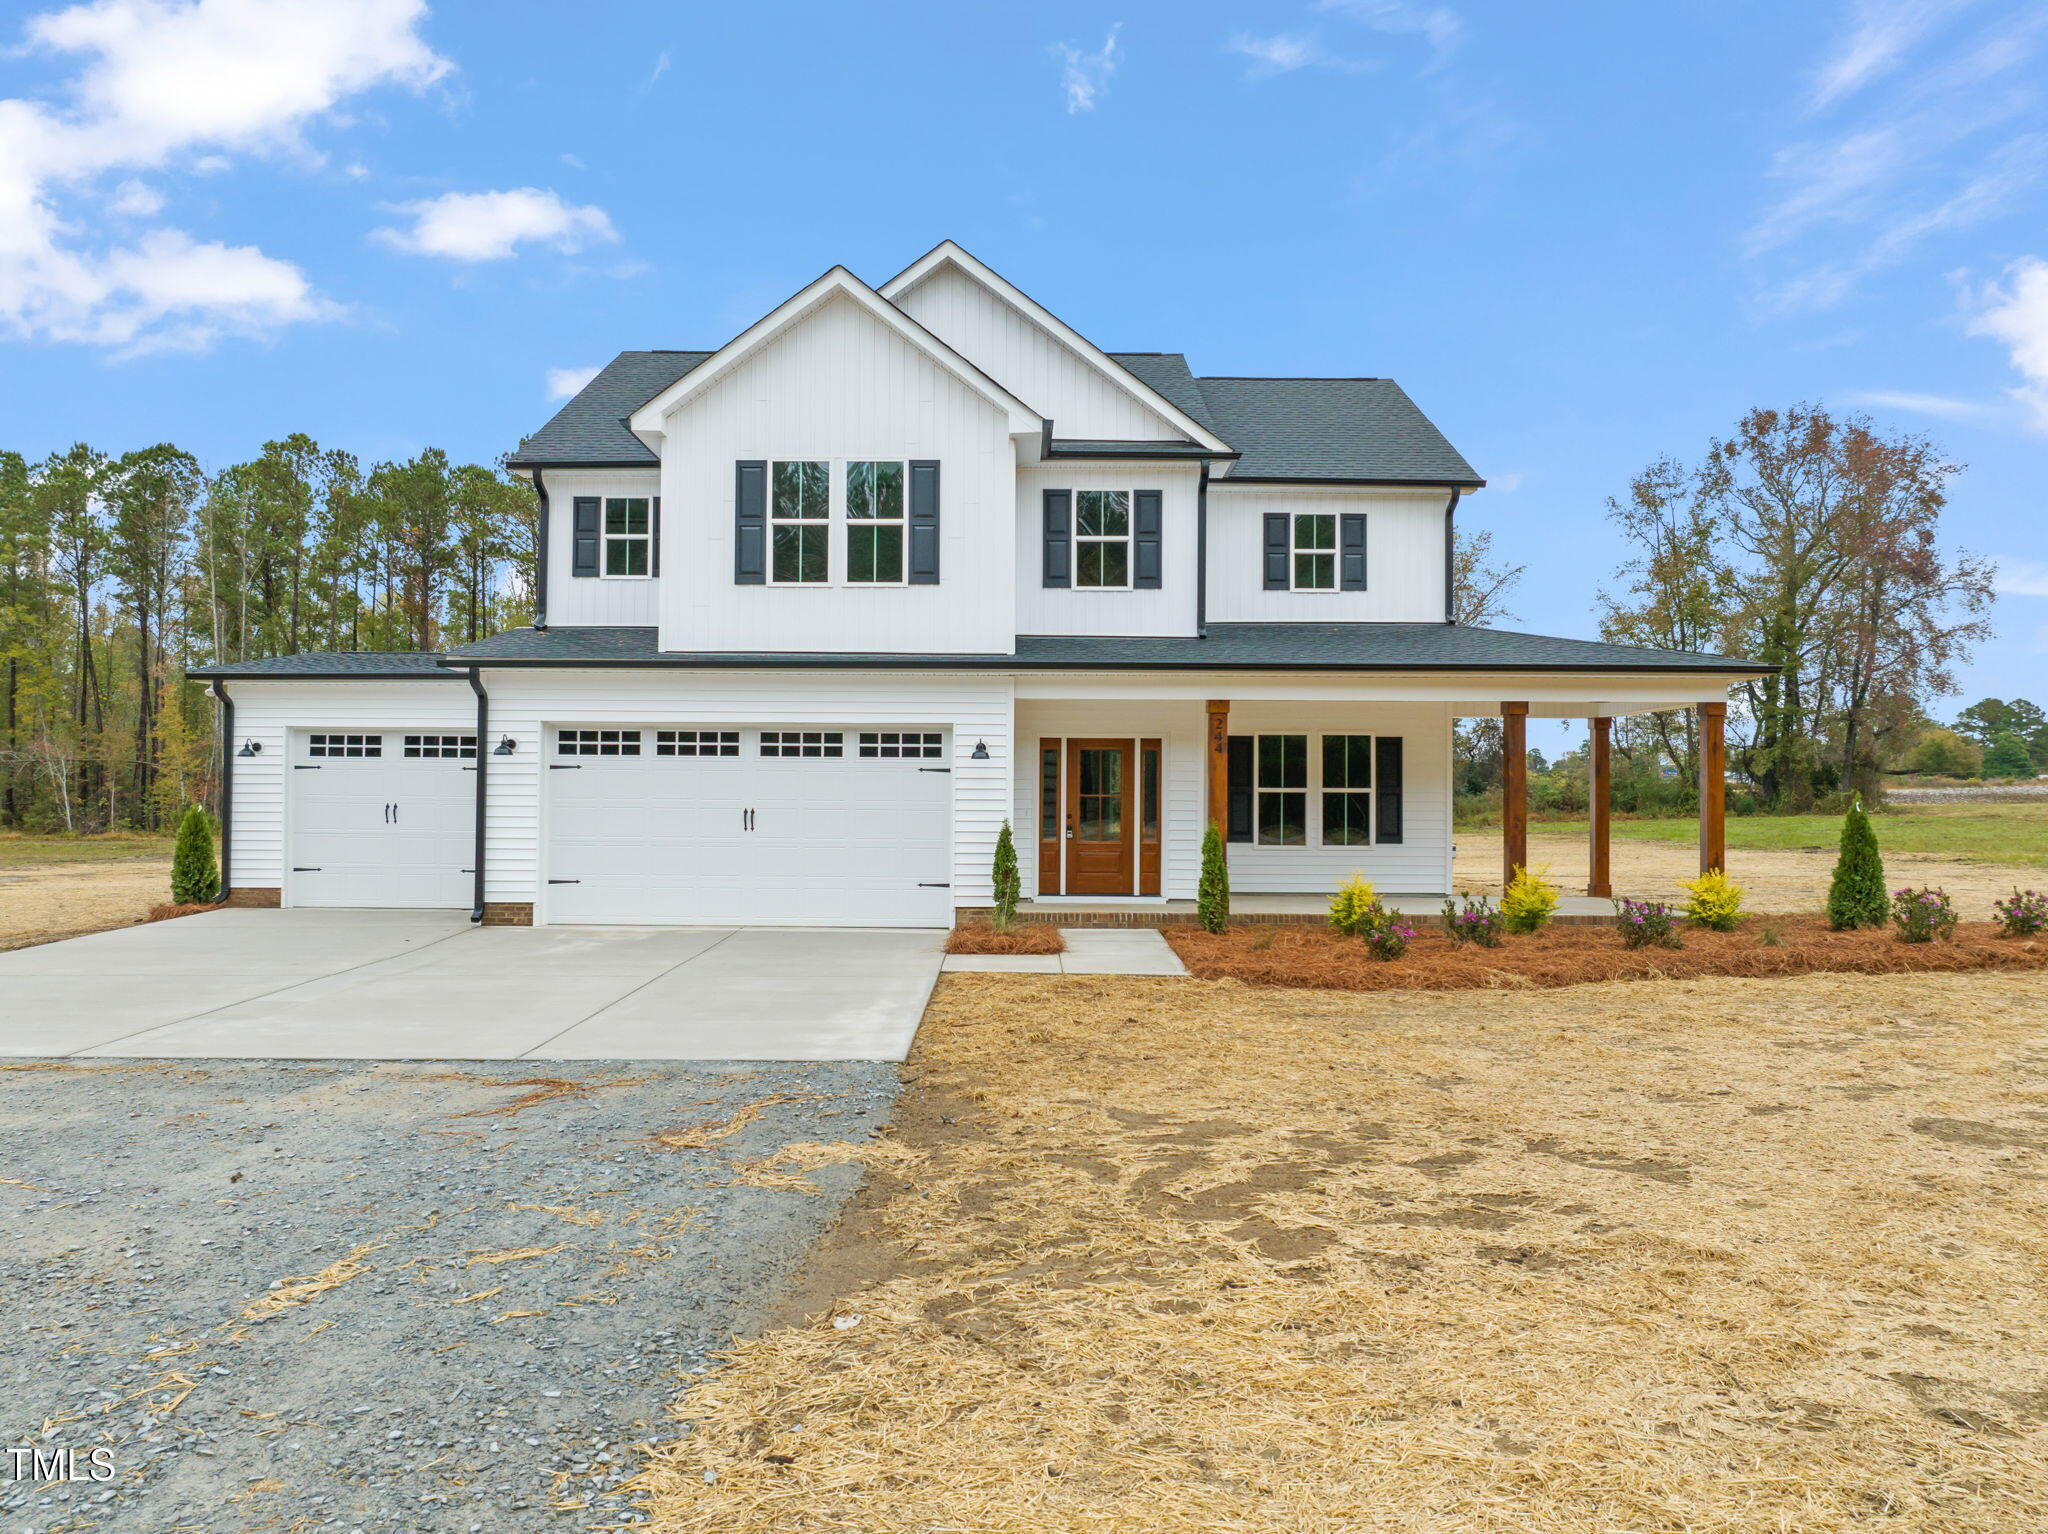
1031 937
1177 1257
1319 958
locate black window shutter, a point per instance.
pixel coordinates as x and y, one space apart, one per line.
1145 524
1239 800
654 550
750 522
585 512
1351 550
924 522
1279 530
1059 538
1386 777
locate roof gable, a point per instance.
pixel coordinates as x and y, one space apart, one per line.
590 429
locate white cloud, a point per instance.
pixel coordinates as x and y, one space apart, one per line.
1882 32
1439 24
660 67
1919 404
572 162
2022 577
563 382
489 226
1086 75
1277 54
133 199
176 84
1506 484
2017 314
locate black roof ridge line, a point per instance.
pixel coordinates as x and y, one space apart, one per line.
1292 378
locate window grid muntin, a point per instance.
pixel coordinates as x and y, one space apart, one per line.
628 532
1102 540
800 522
925 745
1312 551
786 743
329 743
696 742
446 747
597 742
877 511
1347 791
1280 783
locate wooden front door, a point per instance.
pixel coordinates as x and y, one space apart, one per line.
1101 824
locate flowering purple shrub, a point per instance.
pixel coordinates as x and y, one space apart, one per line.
2025 914
1386 935
1473 921
1645 924
1923 916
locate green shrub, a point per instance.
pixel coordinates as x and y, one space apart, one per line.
1529 901
1645 924
1923 916
195 877
2025 914
1352 905
1715 903
1008 883
1472 921
1212 894
1856 895
1945 754
1386 933
2007 758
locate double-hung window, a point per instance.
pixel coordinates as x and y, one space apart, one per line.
1102 539
874 523
628 535
800 522
1281 790
1313 556
1347 790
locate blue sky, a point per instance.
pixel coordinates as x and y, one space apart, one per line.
1580 236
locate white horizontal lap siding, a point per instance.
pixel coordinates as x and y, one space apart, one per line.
1404 556
529 705
1041 370
267 713
572 599
1417 866
839 385
1179 727
1050 610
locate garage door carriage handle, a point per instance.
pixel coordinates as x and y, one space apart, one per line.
921 884
565 766
306 870
565 881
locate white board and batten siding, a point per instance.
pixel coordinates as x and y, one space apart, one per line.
606 600
530 705
1404 556
839 385
273 713
1170 610
1033 364
1419 864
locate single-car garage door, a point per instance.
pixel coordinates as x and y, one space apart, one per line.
818 827
381 818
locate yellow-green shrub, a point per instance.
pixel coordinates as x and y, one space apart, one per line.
1529 901
1352 907
1715 903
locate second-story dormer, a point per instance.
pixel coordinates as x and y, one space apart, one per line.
941 465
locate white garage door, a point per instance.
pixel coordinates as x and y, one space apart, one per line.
382 818
822 827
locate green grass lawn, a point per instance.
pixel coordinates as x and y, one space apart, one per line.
1970 833
20 850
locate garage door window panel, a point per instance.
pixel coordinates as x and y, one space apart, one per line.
333 745
696 742
901 744
441 747
803 743
597 742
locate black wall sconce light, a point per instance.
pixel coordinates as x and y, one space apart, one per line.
979 753
506 746
251 747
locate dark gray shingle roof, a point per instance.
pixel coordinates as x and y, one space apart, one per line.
379 665
1167 373
591 428
1229 646
1331 428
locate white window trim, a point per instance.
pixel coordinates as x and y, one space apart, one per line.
832 479
1335 551
838 527
606 537
1371 789
1129 538
1311 816
842 479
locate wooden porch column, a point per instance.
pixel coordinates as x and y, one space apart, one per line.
1713 719
1219 770
1514 790
1599 784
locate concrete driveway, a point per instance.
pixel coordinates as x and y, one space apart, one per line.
426 985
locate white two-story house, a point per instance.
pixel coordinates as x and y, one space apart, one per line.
821 609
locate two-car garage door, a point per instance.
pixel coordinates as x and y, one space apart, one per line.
840 827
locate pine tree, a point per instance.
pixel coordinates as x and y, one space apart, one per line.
1857 897
1008 884
2007 758
1212 895
195 878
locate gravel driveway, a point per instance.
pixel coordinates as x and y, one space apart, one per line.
382 1297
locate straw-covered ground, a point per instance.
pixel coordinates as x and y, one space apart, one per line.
1168 1256
1031 937
1561 955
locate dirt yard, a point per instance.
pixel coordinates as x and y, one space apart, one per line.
1153 1256
50 900
1773 880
